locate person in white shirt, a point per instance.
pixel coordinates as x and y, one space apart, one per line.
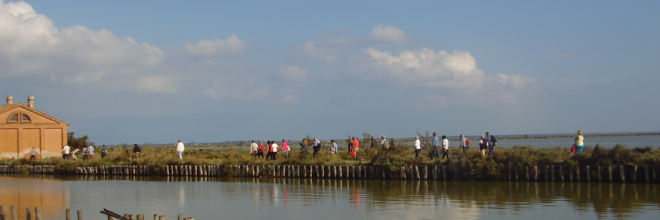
274 147
65 152
445 147
179 149
254 148
418 147
90 152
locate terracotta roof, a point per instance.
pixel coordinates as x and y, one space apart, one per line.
9 107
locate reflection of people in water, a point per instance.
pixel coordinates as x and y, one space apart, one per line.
356 197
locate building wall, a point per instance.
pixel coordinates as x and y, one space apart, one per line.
45 134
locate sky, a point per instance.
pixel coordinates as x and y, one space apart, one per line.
214 71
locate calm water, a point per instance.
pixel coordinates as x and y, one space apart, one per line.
249 198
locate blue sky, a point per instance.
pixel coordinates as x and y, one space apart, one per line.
212 71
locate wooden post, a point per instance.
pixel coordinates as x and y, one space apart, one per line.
646 173
527 173
29 213
140 217
546 173
178 217
536 173
37 213
155 216
80 216
622 173
68 214
425 172
561 173
162 217
609 172
600 177
3 211
552 172
444 172
14 212
588 174
634 174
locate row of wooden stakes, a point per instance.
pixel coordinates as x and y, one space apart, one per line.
443 172
34 213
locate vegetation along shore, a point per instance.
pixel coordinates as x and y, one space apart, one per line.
471 164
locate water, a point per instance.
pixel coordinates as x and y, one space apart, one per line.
332 199
609 142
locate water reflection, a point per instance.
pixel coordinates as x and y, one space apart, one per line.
242 198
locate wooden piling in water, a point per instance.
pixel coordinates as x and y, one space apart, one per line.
634 174
14 212
588 174
37 213
600 178
609 172
622 173
80 215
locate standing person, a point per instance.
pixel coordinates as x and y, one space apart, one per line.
579 142
317 147
464 146
356 146
260 150
179 149
33 154
285 149
483 144
104 151
333 147
445 147
436 146
274 149
136 151
384 144
304 145
492 142
90 152
84 150
418 147
269 146
349 143
254 148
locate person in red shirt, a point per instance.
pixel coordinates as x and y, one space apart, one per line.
356 147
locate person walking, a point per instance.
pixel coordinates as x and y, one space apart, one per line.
483 145
104 151
254 148
418 147
464 143
285 149
492 142
65 152
333 147
579 142
384 144
260 150
435 151
274 148
269 147
304 145
33 154
179 149
356 147
317 147
90 152
445 147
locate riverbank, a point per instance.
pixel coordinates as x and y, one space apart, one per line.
398 163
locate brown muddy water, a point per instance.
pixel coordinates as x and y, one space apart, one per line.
332 199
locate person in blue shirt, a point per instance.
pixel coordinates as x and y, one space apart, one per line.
436 146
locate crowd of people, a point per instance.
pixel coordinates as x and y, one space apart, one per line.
487 144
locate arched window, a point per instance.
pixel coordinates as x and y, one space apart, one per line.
13 118
26 118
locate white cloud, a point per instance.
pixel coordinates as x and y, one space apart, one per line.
34 46
427 67
389 33
232 45
156 84
318 50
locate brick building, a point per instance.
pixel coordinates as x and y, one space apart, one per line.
23 127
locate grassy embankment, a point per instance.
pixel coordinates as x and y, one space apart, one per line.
401 154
